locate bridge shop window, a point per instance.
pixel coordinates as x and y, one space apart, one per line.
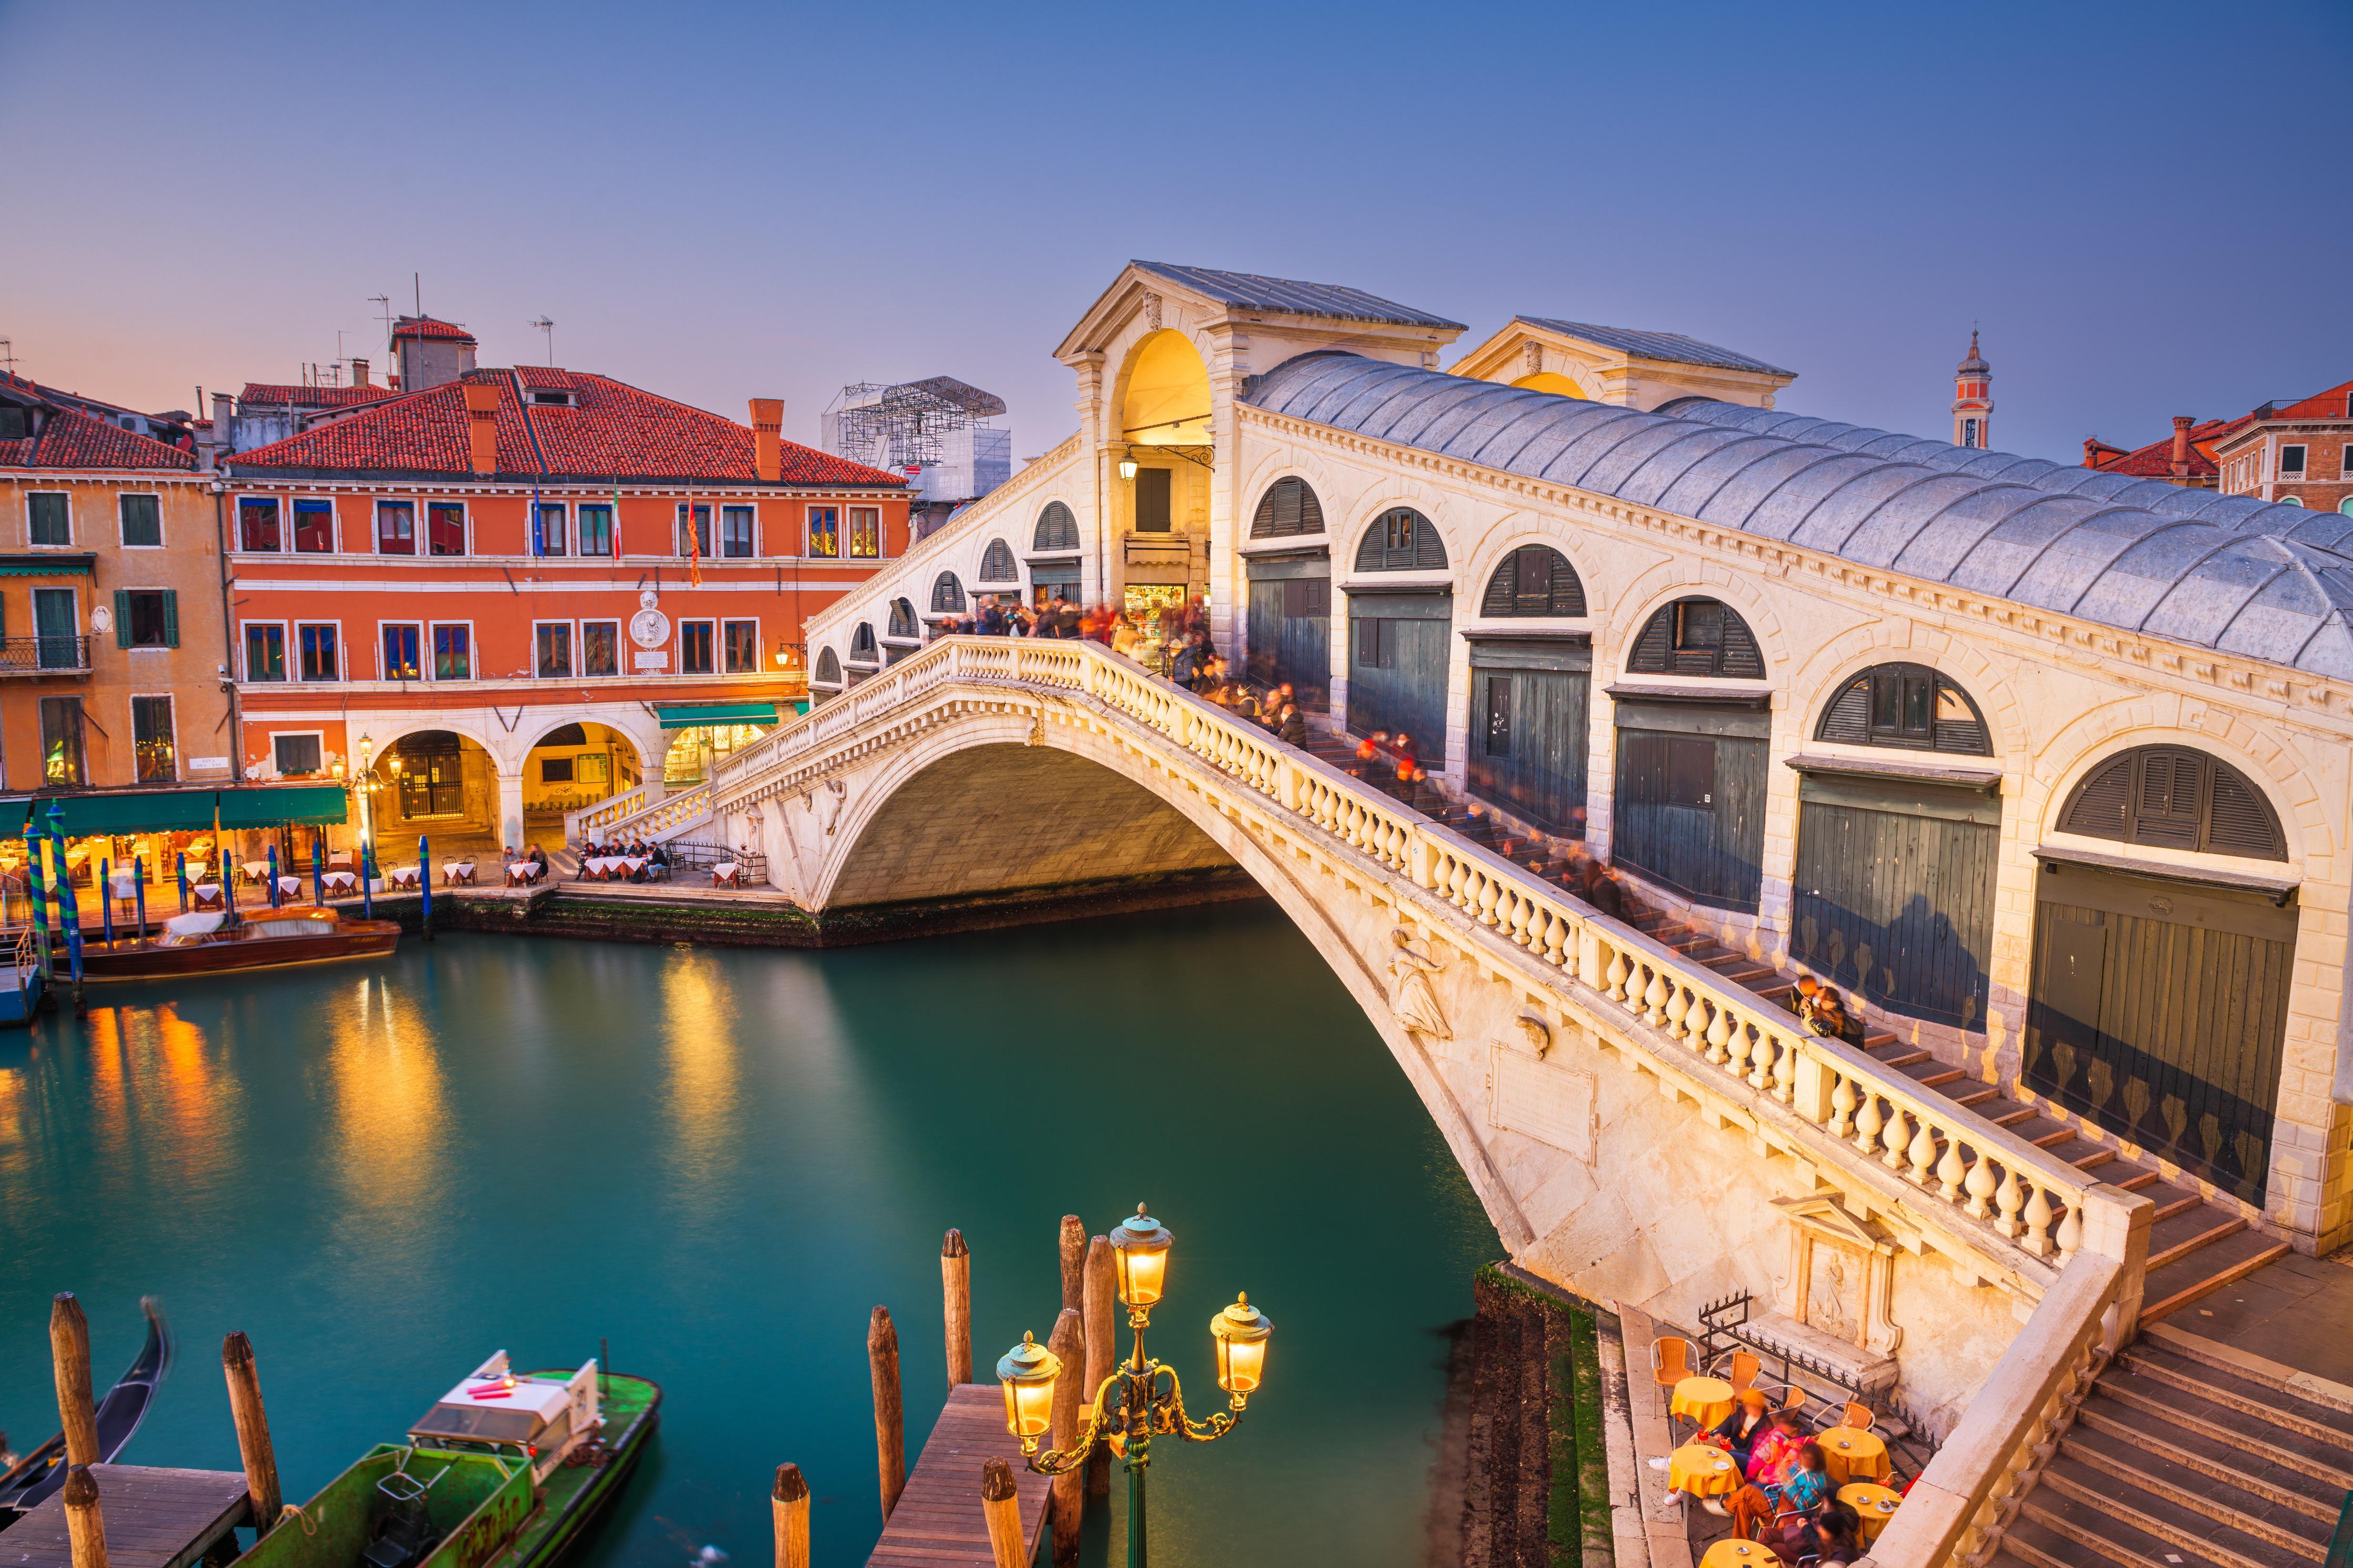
902 620
1057 528
829 669
996 564
1288 508
947 596
862 644
1908 706
1402 539
2171 797
1698 636
1534 580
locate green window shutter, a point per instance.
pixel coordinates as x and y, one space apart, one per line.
122 617
171 617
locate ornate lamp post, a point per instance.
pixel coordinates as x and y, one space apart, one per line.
1141 1398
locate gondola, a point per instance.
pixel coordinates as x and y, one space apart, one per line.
204 942
43 1470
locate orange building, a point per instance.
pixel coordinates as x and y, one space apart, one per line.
520 592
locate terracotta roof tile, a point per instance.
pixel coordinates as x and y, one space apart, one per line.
72 439
283 395
618 431
426 327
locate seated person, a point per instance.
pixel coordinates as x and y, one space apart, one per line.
1834 1535
1790 1501
1747 1422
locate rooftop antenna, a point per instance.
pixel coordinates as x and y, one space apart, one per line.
384 314
7 356
548 327
417 282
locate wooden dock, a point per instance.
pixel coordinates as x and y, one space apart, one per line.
938 1523
154 1518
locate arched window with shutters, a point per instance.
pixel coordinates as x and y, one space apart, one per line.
1288 508
829 669
862 644
1909 705
1057 528
1402 539
1698 636
903 619
2173 797
996 564
1534 580
947 596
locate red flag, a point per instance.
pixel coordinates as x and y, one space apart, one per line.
693 544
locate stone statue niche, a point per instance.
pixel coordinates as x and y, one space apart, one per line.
1837 1293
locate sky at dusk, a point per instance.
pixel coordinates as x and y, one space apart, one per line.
2146 206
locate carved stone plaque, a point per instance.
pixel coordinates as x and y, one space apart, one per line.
1551 1103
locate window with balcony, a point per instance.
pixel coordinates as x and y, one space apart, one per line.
63 761
866 533
825 533
596 531
694 648
48 518
395 528
257 523
553 645
57 631
453 652
743 640
265 652
314 527
735 531
142 521
400 653
600 648
152 740
317 646
445 522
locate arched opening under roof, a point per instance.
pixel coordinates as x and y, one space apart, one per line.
1166 401
1552 381
571 768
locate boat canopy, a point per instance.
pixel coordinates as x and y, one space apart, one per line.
176 810
698 715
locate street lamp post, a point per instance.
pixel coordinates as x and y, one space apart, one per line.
1141 1398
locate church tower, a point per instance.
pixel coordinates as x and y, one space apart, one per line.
1973 399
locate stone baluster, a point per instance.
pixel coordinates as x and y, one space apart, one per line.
1867 1121
2039 1216
1617 974
1923 1153
1842 1105
1489 891
1654 999
1760 1072
1681 1005
2070 1231
1952 1172
1980 1186
1785 1070
1896 1139
2008 1199
1728 1044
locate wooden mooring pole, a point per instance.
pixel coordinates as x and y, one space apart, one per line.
85 1530
890 1412
1074 1262
790 1503
955 1290
1002 1509
253 1445
1100 1294
69 1354
1067 1504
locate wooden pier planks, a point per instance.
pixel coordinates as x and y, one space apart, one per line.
938 1523
154 1518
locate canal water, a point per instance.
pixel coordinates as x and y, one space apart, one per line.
720 1161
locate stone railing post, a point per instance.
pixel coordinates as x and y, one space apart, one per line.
1421 858
2117 1225
1816 1080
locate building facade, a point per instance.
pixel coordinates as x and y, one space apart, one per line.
509 594
1973 399
2297 453
111 652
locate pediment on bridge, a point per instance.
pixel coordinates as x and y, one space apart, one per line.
1293 316
1824 1214
1623 367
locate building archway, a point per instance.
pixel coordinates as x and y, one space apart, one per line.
1552 381
572 767
433 783
1166 401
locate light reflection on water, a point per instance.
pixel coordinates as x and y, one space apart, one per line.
723 1160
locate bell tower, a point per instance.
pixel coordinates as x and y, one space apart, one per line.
1973 399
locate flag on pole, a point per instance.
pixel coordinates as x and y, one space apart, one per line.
538 525
693 544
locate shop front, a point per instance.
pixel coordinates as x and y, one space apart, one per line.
704 734
116 838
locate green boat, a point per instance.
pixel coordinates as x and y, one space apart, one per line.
507 1471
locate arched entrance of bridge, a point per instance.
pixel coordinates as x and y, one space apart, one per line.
1552 381
1162 505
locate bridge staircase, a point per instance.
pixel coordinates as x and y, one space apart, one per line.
2184 1457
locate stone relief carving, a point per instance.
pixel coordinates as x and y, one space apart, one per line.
1151 311
1534 352
1537 1033
1842 1273
840 792
1415 1001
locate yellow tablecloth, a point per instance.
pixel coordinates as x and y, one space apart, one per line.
1739 1554
1875 1503
1703 1471
1852 1456
1706 1400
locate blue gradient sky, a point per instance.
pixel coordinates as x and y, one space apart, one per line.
2150 207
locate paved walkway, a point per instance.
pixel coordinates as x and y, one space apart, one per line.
2297 1311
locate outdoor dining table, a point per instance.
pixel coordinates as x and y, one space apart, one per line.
522 871
255 870
1872 1503
340 881
207 895
1704 1400
1739 1553
1703 1471
456 871
727 874
605 867
1850 1455
403 875
290 887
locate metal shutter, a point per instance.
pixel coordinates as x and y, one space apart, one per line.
1057 528
2098 809
996 564
1288 508
947 595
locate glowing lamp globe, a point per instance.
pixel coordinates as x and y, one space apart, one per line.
1241 1331
1029 1372
1140 1249
1127 467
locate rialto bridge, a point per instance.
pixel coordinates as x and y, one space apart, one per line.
2046 767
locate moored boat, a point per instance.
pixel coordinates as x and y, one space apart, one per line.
117 1418
508 1467
204 943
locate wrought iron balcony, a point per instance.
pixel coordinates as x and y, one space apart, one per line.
44 656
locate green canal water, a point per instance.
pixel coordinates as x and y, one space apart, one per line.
720 1161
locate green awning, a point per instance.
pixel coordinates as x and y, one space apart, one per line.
696 715
48 565
175 810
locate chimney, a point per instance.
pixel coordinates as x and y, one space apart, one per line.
482 426
2181 423
359 373
2090 451
767 421
224 431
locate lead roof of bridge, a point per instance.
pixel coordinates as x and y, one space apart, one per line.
1252 292
1673 347
2226 572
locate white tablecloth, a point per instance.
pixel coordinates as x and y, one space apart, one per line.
525 869
205 890
725 871
457 867
257 870
291 886
402 877
340 881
